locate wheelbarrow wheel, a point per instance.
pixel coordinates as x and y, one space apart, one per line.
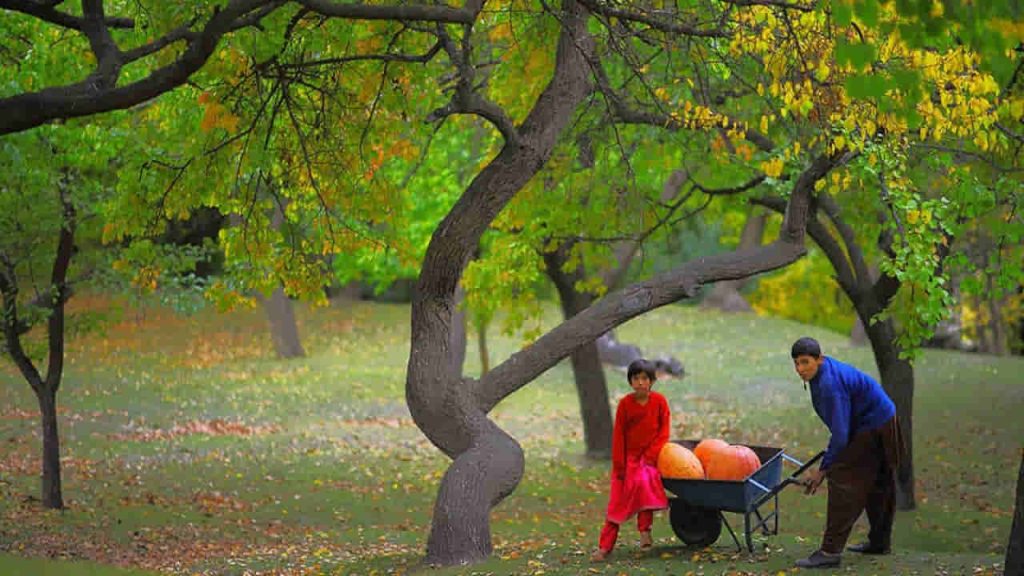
697 527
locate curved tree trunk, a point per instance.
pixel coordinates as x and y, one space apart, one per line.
1014 564
487 463
283 329
591 386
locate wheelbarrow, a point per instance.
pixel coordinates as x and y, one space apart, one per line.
696 510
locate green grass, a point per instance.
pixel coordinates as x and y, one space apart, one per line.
17 566
336 479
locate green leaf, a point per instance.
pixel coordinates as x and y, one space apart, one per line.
842 13
860 55
867 11
866 86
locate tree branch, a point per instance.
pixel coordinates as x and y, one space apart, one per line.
683 282
46 12
598 7
824 239
58 287
99 92
10 322
414 12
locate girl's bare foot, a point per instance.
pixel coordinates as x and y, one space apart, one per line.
600 555
646 541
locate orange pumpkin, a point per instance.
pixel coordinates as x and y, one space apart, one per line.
676 461
707 448
735 463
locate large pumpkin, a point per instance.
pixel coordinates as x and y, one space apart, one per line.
735 463
676 461
707 448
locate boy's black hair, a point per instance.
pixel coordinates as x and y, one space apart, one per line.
806 346
640 365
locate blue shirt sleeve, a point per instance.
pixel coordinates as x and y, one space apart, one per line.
835 411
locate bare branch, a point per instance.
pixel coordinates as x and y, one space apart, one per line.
731 191
776 3
598 7
622 112
183 32
100 93
420 12
46 12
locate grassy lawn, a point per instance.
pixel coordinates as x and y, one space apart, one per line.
189 449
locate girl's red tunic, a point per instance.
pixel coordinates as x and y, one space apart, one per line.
640 432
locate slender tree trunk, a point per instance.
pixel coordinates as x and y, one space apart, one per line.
45 388
52 496
726 295
591 386
1014 564
996 325
481 345
858 334
284 331
897 378
283 328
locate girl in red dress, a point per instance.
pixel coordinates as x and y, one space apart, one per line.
641 429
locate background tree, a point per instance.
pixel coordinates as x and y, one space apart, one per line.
47 216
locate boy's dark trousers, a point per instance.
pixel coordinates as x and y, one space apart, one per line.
862 478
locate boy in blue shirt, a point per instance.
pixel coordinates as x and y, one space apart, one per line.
861 457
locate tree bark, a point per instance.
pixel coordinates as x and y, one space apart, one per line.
591 386
458 335
897 378
284 330
858 334
52 495
1014 564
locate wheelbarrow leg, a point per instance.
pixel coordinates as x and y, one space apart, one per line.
776 529
746 531
739 547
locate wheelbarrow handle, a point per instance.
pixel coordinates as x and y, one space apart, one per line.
803 466
794 478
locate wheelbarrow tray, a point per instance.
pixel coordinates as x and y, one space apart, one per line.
731 495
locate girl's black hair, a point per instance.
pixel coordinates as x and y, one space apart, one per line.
806 346
640 365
